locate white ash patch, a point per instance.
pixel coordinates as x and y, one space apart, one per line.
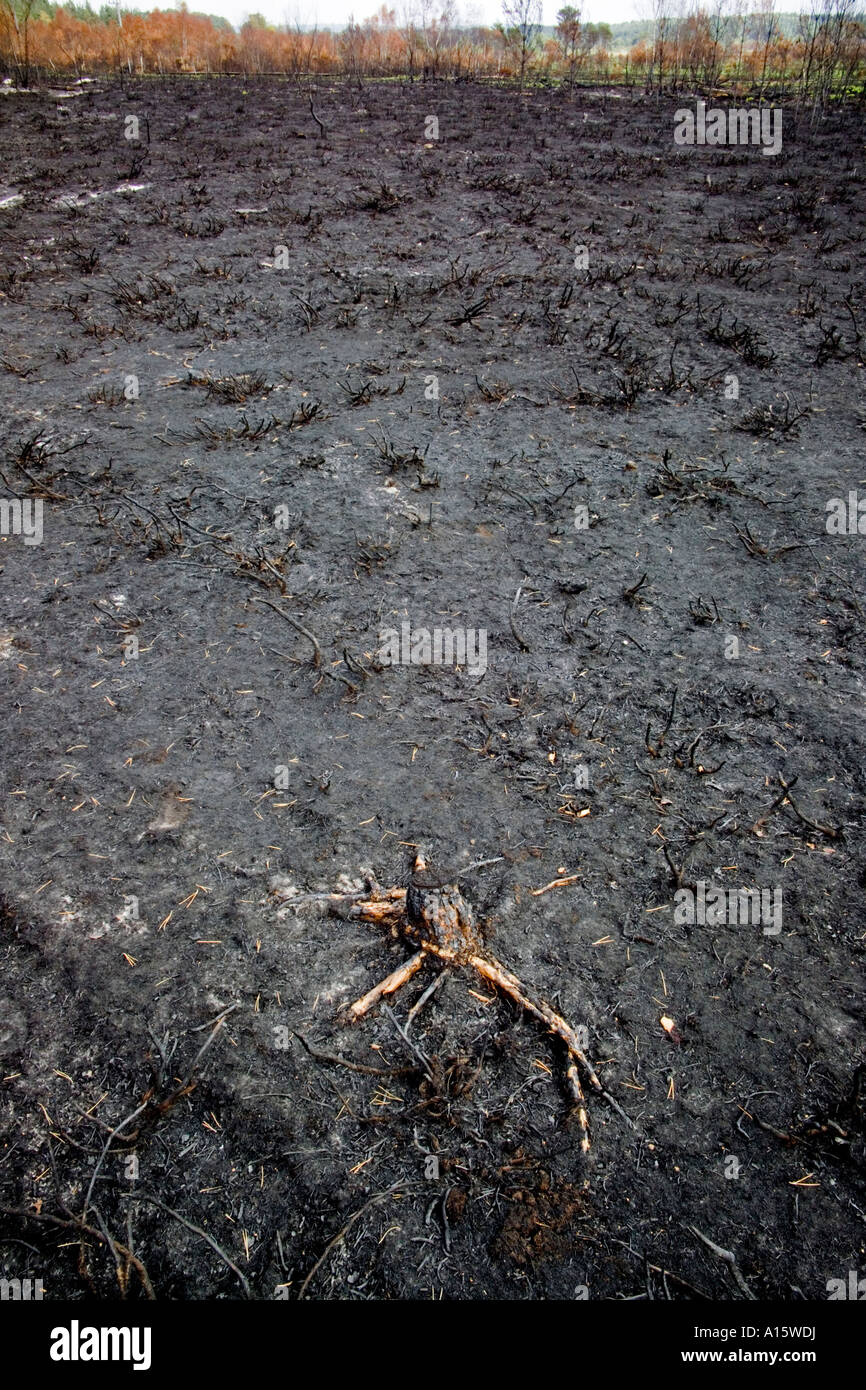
81 200
337 992
75 916
281 886
345 884
129 919
290 921
315 901
172 812
214 1002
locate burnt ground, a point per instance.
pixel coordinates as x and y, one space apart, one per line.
285 440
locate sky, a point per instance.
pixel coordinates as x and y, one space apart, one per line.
336 12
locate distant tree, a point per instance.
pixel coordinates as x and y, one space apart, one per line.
440 20
351 49
766 34
838 28
717 24
696 47
568 35
15 16
412 34
740 23
523 20
300 46
381 39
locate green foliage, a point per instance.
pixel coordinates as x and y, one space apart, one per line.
107 14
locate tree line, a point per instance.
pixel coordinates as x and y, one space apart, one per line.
696 45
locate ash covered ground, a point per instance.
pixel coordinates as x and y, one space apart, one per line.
341 365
